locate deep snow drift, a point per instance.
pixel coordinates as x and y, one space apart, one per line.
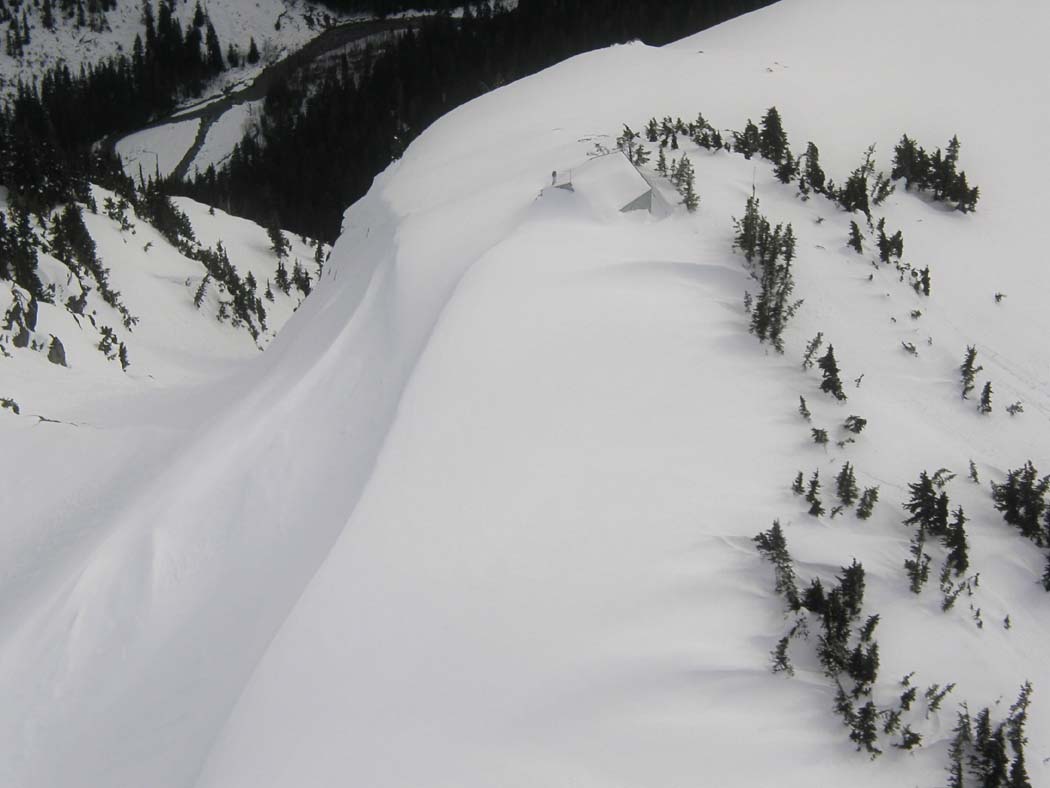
482 514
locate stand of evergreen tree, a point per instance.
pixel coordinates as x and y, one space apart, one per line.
936 173
990 755
1023 501
929 510
774 250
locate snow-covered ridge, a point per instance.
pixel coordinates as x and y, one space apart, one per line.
482 514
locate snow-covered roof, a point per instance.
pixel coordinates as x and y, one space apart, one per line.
609 182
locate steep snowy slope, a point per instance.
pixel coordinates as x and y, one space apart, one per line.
482 514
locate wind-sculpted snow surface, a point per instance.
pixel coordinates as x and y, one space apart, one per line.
482 514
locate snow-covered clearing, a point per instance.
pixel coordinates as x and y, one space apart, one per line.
158 150
224 135
482 513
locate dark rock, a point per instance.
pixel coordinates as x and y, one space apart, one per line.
57 353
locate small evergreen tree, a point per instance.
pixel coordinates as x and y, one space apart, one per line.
908 696
652 130
814 599
890 247
960 745
882 189
923 284
773 546
910 163
215 62
301 279
686 185
853 197
829 367
811 349
846 485
816 508
626 141
749 229
198 297
278 243
772 141
749 142
253 53
788 167
781 662
803 409
856 238
855 424
868 499
851 587
281 278
863 667
958 558
865 732
812 177
1022 501
924 506
797 486
918 565
909 739
969 370
985 405
844 706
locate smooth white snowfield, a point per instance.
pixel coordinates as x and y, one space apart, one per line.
156 152
481 515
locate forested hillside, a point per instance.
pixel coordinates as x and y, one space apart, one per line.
359 117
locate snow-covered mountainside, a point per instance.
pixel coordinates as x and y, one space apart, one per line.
483 513
277 26
146 311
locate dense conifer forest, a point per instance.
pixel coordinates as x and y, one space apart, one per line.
49 130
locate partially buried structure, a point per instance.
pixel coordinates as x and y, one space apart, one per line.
614 182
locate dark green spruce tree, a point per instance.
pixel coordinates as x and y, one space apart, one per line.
969 370
773 140
749 141
831 384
